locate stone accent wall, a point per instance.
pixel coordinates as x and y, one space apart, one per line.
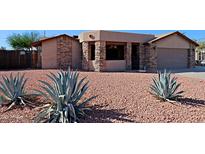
85 56
64 52
148 57
191 57
152 58
100 56
142 57
128 56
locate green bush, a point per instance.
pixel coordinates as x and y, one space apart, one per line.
165 87
65 95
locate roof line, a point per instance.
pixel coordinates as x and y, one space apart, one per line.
172 33
49 38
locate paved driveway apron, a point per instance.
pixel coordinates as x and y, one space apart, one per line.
197 72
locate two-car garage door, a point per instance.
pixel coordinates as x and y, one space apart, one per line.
170 58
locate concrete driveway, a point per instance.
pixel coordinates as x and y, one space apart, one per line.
197 72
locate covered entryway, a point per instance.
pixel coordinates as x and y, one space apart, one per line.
172 58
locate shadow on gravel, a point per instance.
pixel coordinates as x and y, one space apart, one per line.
100 115
192 102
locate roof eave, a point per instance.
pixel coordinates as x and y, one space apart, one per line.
36 44
177 32
39 43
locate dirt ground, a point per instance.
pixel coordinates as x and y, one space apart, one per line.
124 97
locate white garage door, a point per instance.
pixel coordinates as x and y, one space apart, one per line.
172 58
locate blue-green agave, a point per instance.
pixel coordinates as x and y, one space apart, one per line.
13 90
65 95
166 87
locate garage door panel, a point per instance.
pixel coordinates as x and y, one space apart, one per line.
172 58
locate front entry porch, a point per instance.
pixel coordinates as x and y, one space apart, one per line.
110 56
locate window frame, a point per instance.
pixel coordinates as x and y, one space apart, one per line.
115 56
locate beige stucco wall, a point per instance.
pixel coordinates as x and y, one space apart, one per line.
114 36
110 65
174 41
115 65
49 54
76 54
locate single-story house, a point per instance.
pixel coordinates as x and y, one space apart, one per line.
118 51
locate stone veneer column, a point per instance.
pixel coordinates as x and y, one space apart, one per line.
128 55
191 57
85 56
64 52
151 58
100 56
142 57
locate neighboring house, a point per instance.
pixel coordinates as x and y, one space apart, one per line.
117 51
200 55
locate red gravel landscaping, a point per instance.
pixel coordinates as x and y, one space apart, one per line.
124 97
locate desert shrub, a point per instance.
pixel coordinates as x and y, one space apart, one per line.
166 87
13 91
65 95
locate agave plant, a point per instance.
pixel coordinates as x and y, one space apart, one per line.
65 95
165 87
13 90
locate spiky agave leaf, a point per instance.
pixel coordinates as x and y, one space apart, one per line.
1 100
13 90
65 95
165 87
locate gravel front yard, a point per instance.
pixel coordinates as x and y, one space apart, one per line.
125 97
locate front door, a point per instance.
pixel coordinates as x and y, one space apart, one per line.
135 57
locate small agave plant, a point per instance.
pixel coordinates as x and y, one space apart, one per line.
165 87
65 95
14 93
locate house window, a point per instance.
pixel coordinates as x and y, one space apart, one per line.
114 52
92 56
